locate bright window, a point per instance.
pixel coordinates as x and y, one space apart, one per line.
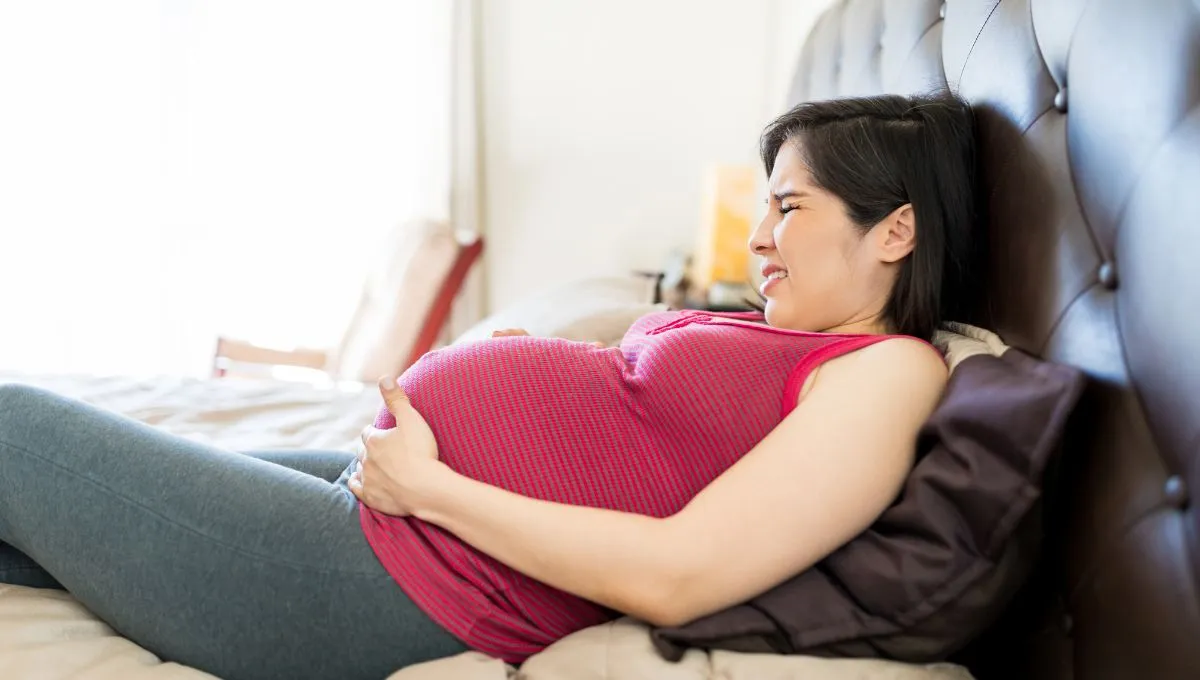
175 170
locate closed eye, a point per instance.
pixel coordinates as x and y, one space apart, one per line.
785 209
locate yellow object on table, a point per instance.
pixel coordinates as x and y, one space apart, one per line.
721 254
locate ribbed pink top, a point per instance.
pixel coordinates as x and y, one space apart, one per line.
640 428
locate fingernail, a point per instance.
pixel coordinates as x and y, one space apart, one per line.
388 382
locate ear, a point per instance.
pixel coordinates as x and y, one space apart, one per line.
896 235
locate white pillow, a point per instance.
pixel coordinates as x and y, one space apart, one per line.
957 341
585 310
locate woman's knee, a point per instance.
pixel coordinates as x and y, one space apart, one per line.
24 411
16 397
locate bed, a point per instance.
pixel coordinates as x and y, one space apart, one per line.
1089 152
48 635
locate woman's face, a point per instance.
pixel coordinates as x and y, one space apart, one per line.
833 276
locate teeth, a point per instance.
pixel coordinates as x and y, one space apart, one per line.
779 274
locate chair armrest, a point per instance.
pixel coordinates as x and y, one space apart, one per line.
232 351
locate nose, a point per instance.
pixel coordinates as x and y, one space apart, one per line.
761 239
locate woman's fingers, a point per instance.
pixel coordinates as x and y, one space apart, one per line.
401 409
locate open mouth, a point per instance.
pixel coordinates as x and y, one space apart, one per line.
772 280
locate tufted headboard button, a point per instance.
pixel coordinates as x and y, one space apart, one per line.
1176 492
1060 100
1108 275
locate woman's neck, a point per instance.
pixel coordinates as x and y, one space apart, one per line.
869 324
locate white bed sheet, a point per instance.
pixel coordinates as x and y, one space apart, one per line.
233 413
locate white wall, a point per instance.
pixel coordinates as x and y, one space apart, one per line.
600 117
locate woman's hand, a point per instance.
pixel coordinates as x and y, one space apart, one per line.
396 466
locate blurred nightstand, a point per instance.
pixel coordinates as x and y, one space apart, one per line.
707 307
673 286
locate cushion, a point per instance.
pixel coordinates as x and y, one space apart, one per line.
622 650
585 310
940 563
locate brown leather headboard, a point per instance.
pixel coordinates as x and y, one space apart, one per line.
1090 181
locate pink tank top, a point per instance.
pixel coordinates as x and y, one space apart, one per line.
640 428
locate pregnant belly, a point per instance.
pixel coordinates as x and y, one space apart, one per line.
546 418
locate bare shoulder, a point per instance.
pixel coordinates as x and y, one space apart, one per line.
899 357
893 367
902 356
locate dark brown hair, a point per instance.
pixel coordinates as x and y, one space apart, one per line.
878 153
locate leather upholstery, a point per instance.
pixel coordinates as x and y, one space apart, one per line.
1089 118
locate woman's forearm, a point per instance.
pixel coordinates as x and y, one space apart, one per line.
623 561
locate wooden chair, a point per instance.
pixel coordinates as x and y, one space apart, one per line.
401 313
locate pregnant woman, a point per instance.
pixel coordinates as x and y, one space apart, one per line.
517 489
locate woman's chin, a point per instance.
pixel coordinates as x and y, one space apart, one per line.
779 315
771 313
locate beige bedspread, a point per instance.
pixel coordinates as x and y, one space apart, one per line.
48 635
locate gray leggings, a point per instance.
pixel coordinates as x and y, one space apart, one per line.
245 566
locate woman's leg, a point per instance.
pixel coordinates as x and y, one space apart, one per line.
16 568
237 566
320 463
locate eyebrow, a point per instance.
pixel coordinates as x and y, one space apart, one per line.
791 194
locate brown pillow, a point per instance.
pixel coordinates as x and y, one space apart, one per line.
940 564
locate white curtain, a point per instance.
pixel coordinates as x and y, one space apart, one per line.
171 170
